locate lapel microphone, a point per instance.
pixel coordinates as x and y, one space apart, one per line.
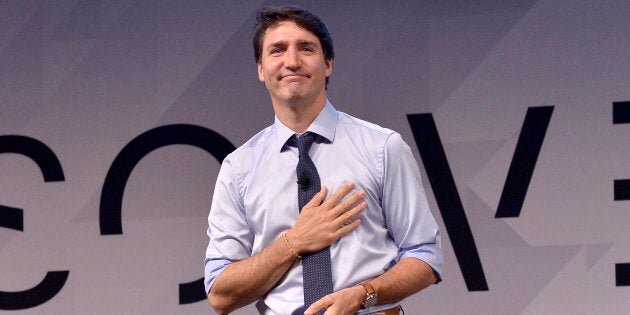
303 181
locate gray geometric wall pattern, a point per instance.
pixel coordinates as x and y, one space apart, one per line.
85 78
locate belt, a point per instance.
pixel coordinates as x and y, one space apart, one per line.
390 311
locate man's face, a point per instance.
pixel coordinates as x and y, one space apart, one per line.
292 63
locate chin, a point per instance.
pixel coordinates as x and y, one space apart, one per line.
293 95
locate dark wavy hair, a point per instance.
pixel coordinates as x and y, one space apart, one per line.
270 16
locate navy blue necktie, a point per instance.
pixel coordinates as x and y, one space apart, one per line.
316 266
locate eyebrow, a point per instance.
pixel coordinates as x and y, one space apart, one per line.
301 42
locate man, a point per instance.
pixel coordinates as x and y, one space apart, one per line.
371 216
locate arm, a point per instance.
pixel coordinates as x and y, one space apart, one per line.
246 281
407 277
413 229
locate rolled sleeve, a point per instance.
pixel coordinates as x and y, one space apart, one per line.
429 253
409 219
213 267
229 233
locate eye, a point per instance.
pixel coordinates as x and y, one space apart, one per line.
275 51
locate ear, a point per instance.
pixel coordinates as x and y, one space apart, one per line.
329 67
261 74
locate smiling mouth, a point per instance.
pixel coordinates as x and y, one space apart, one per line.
294 76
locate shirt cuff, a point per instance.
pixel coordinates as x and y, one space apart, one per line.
213 267
429 253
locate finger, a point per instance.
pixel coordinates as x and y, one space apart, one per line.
318 198
347 228
317 305
348 203
347 216
339 194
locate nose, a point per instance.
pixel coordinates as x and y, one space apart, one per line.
293 60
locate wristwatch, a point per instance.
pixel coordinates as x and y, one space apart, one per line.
371 297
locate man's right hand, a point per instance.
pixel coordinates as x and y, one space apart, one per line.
321 222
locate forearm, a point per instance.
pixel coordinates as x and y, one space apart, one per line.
407 277
246 281
318 225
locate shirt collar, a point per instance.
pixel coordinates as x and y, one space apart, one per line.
324 125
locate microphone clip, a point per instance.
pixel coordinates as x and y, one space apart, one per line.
303 181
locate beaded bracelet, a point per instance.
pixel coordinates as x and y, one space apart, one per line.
286 241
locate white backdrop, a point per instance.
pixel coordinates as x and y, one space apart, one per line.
85 78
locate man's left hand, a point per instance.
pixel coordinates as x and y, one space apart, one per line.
343 302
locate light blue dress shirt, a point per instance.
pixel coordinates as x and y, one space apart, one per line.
255 200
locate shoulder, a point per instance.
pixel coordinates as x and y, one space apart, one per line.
249 149
357 127
383 140
363 125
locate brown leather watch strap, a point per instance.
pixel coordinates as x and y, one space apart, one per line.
368 287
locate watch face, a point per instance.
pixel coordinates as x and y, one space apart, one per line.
370 300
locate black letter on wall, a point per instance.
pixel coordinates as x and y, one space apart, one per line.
439 174
523 162
126 161
13 218
446 195
621 115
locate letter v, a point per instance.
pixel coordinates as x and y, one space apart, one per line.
449 202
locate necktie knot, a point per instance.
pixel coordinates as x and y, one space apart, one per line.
304 143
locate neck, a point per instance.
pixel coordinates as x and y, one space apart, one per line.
298 115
